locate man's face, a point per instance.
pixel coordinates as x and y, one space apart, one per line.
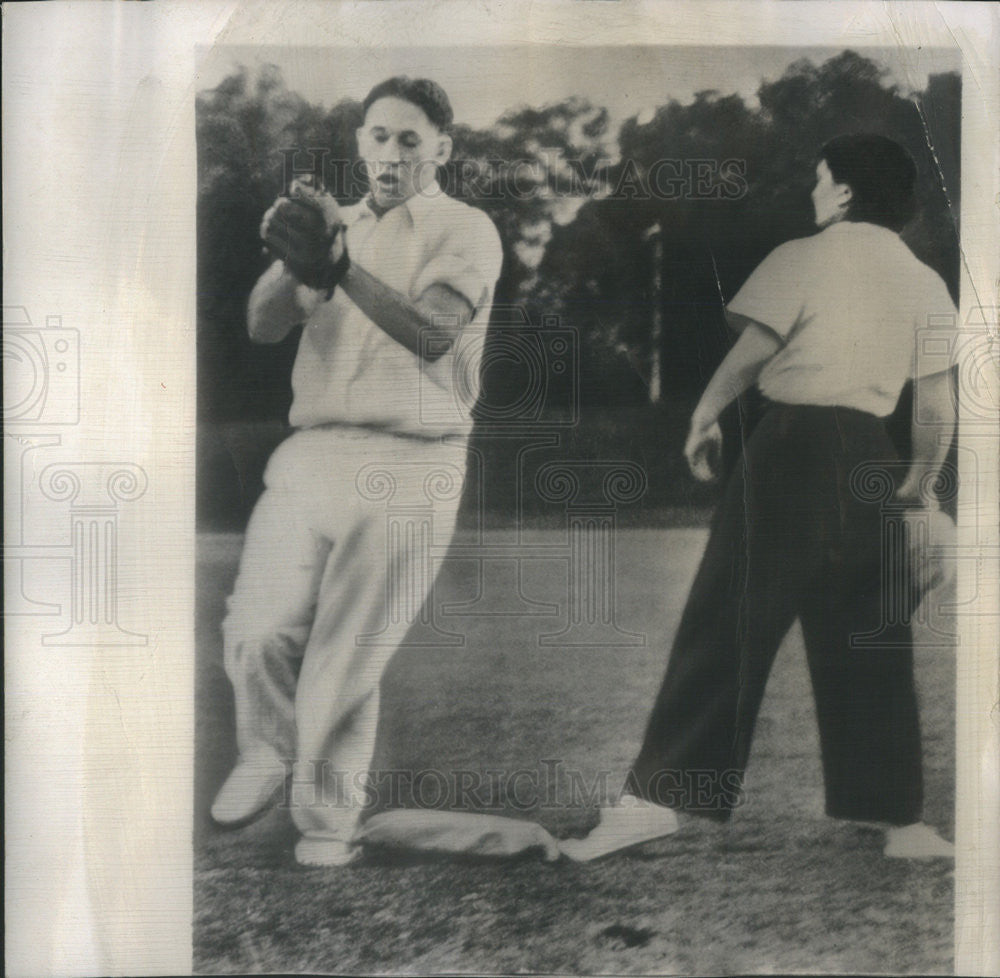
402 150
829 198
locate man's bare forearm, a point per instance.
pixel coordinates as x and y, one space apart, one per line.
740 369
930 434
277 304
401 318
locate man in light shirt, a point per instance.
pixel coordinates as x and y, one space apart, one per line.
828 331
323 599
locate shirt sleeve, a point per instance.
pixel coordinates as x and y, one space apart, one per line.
468 260
774 293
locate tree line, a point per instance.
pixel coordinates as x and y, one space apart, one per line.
634 237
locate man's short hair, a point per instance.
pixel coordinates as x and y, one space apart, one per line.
881 175
421 92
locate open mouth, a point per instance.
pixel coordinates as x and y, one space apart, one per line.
388 181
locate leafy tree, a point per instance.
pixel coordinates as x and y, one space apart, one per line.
248 131
721 185
530 171
659 222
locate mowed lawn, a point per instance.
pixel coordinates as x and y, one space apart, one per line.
779 889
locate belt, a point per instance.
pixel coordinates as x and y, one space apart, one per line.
356 432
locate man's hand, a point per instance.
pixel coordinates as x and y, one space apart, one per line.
703 449
305 231
930 534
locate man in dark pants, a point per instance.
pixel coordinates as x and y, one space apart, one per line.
812 550
828 333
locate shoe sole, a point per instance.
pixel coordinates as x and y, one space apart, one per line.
625 847
354 856
254 816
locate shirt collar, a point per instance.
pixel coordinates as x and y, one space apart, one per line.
415 209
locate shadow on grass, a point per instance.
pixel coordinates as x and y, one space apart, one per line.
779 889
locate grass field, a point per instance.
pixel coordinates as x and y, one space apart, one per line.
779 889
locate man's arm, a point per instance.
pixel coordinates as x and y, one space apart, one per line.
741 367
280 302
277 304
437 306
301 228
931 436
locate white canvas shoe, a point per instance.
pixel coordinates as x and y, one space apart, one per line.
622 826
318 851
251 788
917 841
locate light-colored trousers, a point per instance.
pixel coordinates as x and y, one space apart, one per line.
337 562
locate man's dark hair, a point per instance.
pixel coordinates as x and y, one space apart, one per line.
421 92
881 175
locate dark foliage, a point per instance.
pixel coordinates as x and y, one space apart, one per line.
633 240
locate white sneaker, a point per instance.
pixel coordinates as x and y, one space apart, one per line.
318 851
622 826
249 790
916 841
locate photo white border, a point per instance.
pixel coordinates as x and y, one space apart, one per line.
100 192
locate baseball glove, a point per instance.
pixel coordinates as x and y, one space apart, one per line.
301 231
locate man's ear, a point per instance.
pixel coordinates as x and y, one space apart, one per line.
444 148
844 195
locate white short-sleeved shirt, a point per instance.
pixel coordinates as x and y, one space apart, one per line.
847 302
349 371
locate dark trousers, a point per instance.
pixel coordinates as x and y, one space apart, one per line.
790 539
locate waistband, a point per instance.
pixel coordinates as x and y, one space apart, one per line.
819 410
356 432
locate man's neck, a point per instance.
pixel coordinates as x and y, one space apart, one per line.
380 210
377 209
